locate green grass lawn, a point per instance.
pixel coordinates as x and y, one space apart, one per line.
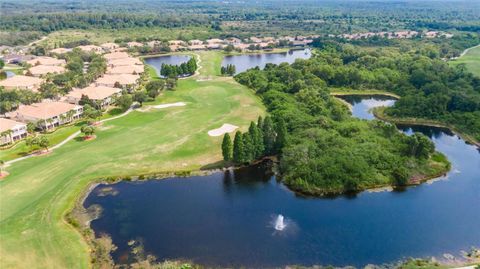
39 191
21 149
471 59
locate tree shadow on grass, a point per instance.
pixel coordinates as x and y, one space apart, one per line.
79 139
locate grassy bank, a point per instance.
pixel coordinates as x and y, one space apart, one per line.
379 112
471 59
39 191
346 92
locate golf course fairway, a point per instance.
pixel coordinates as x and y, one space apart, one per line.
39 191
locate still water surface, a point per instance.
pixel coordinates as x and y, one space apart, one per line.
156 62
227 219
247 61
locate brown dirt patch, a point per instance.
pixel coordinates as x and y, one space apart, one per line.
4 174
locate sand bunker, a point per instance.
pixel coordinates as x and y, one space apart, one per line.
170 105
226 128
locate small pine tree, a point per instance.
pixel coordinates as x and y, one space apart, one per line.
238 148
227 148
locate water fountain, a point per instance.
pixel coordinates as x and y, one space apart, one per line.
279 223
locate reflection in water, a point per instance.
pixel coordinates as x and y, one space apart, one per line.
227 218
247 61
156 62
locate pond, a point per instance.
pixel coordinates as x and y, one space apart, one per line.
229 218
247 61
156 62
6 74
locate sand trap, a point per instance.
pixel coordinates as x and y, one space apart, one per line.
170 105
226 128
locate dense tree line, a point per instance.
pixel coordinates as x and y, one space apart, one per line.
184 69
11 99
236 19
325 150
228 70
263 138
429 87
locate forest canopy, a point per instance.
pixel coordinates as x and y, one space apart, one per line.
326 150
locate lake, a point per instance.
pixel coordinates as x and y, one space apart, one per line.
156 62
247 61
228 218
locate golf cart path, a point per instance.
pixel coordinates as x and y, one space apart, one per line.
72 136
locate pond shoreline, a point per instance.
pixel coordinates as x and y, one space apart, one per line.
379 113
88 234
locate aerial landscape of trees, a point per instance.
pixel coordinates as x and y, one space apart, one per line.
322 148
296 150
240 19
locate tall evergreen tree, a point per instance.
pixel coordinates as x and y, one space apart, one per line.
248 148
227 148
281 130
238 150
257 140
260 123
268 136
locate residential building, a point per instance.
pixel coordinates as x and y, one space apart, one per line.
11 131
233 41
195 42
125 61
40 70
115 55
125 69
109 46
20 82
16 58
47 114
153 43
214 46
60 50
91 48
255 39
124 80
215 41
101 95
134 44
44 60
196 47
176 42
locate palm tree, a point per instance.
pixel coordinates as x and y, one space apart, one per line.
70 114
63 117
43 142
8 134
88 130
48 121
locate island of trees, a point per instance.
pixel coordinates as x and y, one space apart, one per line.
182 70
322 149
